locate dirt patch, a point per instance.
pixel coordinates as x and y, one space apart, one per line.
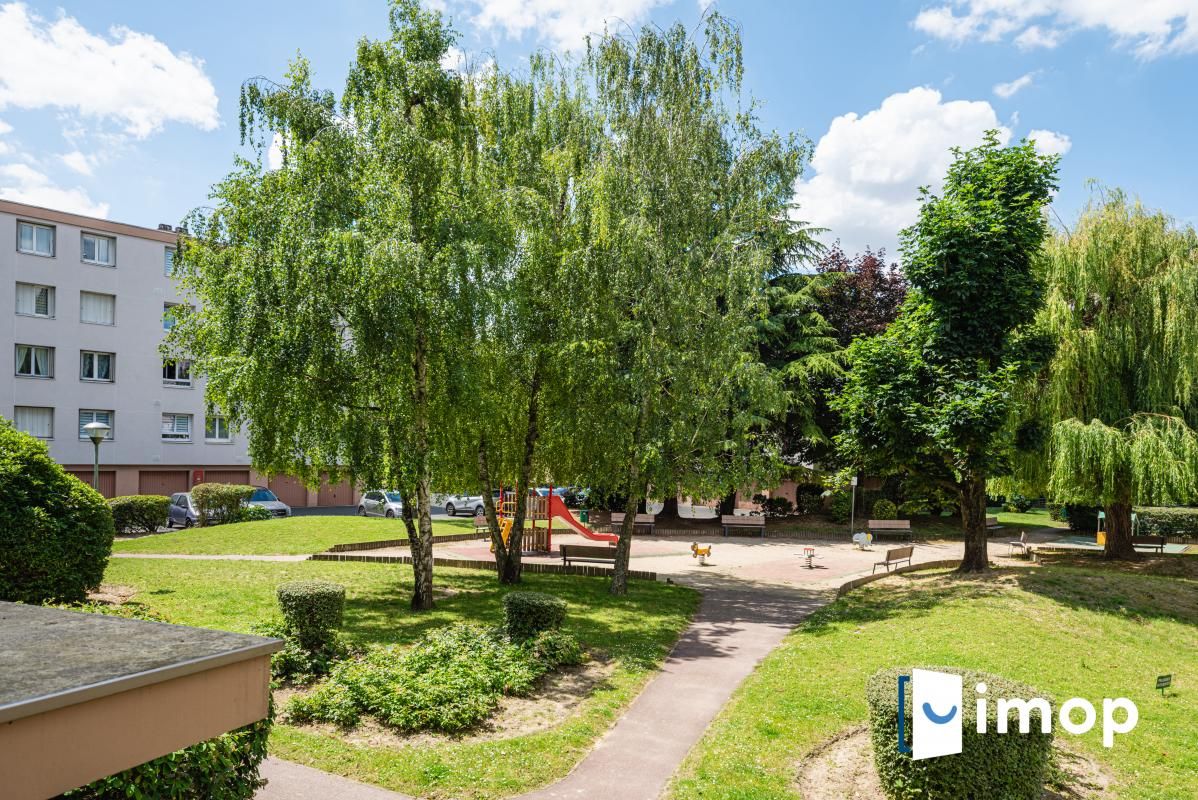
112 594
842 768
555 699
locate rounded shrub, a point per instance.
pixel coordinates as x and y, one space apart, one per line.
312 610
219 502
55 531
840 507
139 513
557 648
990 765
884 509
254 514
525 614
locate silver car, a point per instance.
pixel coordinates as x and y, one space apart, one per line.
265 498
377 503
469 503
182 511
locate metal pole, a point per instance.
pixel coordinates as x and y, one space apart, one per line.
96 466
853 508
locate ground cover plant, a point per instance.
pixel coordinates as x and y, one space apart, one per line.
284 536
1081 629
632 633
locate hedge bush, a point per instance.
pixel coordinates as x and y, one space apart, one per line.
884 509
139 513
219 502
312 610
254 514
526 614
1017 504
774 507
840 509
55 531
299 665
1012 766
557 648
809 498
1160 521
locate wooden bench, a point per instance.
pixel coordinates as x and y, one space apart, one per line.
642 521
895 557
587 552
1156 543
882 528
992 523
737 521
481 525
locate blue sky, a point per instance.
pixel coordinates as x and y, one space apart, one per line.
129 109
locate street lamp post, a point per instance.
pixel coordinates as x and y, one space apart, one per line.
852 507
97 432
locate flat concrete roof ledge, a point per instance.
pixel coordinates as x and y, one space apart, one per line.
128 690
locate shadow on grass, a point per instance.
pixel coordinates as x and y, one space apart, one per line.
1153 588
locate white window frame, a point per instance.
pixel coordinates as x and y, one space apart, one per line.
170 428
95 354
183 383
83 237
168 261
90 414
222 421
17 415
35 226
33 360
36 287
111 297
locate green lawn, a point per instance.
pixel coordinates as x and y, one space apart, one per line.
1085 631
289 536
636 632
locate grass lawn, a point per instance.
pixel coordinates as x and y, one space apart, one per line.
636 632
1085 631
287 536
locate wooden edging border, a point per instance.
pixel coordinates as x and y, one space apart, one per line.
535 567
350 547
855 583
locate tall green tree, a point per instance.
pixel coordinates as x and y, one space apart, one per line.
934 394
335 291
1119 400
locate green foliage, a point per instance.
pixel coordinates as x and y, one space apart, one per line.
525 614
809 498
55 531
140 513
1017 503
557 648
450 680
1168 521
312 611
219 502
884 509
254 514
297 664
841 508
774 507
127 610
1011 766
1081 518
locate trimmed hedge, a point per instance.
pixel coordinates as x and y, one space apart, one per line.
219 502
254 514
139 513
313 611
55 531
884 509
1161 521
1012 766
841 506
526 614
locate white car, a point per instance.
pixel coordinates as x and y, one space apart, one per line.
469 503
265 498
377 503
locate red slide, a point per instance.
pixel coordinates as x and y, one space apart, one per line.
558 509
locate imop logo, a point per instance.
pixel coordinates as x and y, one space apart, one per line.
936 713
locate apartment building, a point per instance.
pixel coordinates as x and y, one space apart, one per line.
84 306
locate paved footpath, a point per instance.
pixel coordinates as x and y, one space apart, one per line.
737 625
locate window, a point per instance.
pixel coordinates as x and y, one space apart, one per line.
168 261
34 361
34 300
97 309
176 373
99 250
90 415
176 427
35 239
261 495
216 429
95 366
37 422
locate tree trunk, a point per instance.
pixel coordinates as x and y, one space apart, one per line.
728 503
973 520
1118 532
505 569
669 509
422 544
619 577
531 432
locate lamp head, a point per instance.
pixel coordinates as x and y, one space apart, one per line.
97 431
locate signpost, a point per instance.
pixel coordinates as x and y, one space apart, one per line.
1163 682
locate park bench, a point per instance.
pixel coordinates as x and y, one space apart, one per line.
587 552
481 525
642 521
1156 543
881 528
992 523
738 521
895 557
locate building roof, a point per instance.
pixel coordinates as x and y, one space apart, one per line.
37 213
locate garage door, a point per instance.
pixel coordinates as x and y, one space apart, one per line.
290 490
240 477
165 482
107 480
335 494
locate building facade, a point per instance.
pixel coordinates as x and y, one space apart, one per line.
84 305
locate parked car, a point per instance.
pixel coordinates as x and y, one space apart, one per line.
377 503
182 511
265 498
470 503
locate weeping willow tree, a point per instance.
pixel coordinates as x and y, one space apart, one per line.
1119 401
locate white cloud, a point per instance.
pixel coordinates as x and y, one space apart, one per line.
1006 90
126 76
1050 142
1151 28
24 184
4 127
77 161
868 169
562 23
